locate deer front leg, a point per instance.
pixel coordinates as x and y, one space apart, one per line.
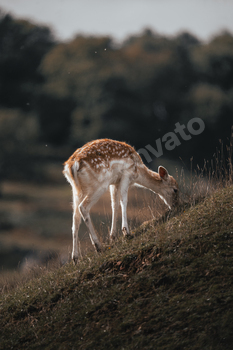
115 206
124 185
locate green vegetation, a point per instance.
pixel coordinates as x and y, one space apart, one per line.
170 287
66 93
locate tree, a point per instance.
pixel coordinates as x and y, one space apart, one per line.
22 47
214 61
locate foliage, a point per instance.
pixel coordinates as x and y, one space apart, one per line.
18 132
89 87
117 88
214 61
22 46
138 91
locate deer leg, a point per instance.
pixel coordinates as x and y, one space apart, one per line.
75 225
115 206
124 185
84 209
75 229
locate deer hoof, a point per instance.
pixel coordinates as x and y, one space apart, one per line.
98 248
112 238
126 233
75 260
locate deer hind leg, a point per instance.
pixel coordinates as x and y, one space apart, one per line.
84 208
75 226
114 192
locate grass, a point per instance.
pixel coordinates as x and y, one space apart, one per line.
170 287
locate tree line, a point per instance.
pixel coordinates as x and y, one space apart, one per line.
68 93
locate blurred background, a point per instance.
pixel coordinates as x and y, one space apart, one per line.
71 72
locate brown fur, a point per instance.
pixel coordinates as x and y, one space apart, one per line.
103 164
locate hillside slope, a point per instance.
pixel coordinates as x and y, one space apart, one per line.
171 287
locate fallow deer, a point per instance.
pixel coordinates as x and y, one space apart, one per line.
103 164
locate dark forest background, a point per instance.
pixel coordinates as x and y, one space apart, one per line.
55 96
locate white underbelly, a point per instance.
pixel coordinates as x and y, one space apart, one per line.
117 169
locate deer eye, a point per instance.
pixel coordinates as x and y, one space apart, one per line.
175 190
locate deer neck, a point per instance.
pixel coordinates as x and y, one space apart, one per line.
150 179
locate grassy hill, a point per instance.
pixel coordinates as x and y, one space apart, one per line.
170 287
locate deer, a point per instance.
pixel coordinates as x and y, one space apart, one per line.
108 164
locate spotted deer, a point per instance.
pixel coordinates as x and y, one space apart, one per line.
103 164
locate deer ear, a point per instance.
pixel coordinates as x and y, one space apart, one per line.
163 173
